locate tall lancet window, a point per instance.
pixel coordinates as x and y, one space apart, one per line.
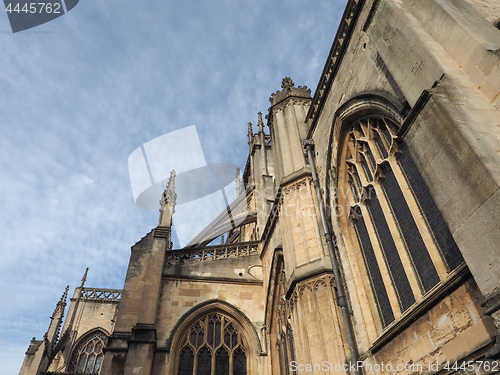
87 354
280 325
395 225
213 346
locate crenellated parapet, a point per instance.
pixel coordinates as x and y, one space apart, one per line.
289 90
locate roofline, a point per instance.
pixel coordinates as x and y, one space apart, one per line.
340 43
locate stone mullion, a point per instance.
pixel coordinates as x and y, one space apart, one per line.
396 235
359 168
400 245
382 264
420 221
195 364
373 146
359 268
392 223
360 284
231 363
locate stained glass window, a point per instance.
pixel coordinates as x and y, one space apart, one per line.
402 233
213 346
87 354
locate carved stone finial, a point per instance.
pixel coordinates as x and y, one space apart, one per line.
84 278
169 197
261 123
65 294
61 304
289 89
239 183
287 82
250 131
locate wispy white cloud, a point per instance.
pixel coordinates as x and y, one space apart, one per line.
80 93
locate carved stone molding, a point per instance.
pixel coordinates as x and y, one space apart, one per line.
212 253
315 284
297 185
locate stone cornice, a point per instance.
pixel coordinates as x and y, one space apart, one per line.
340 43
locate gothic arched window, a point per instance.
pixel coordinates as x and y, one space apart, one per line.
86 357
405 244
213 346
280 324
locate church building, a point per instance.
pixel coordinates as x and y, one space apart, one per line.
369 239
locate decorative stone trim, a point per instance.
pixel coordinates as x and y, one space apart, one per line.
212 253
297 185
315 283
334 58
293 101
456 278
98 294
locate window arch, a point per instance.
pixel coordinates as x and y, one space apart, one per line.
213 345
404 242
87 354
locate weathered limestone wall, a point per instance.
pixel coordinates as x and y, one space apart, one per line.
94 314
32 358
454 328
134 284
489 9
304 249
180 296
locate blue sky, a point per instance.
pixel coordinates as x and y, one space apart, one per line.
80 93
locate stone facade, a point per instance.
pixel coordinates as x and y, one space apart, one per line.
373 224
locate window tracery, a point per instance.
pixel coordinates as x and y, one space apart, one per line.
87 354
405 244
281 328
213 346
